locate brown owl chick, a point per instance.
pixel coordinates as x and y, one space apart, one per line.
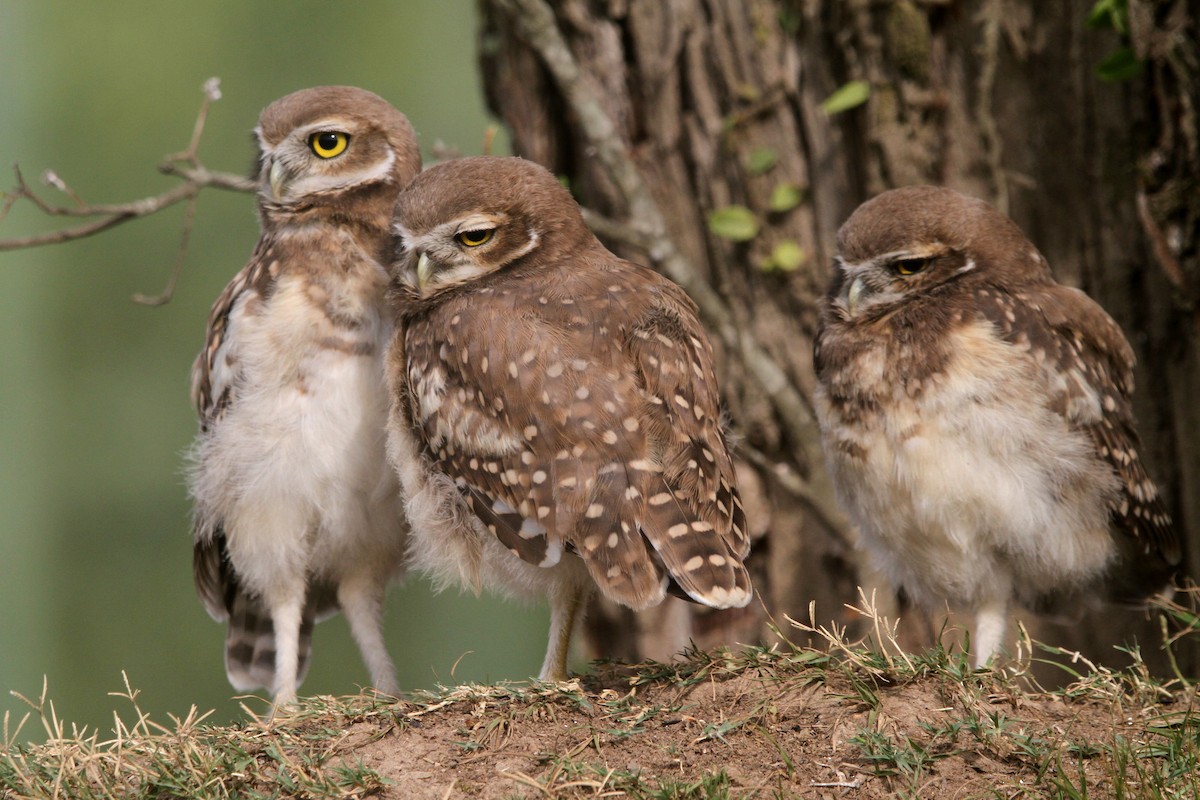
297 513
976 418
555 416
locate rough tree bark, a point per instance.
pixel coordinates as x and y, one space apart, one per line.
718 103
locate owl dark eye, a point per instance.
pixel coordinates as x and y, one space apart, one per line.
910 266
327 144
476 237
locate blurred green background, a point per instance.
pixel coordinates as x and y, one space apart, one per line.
95 546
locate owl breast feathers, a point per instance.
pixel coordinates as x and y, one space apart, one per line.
976 415
567 394
296 512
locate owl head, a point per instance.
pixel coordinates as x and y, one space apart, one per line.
318 146
911 241
465 219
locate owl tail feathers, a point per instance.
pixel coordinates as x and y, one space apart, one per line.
695 554
212 573
619 561
250 644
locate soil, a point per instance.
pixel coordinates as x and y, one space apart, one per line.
710 732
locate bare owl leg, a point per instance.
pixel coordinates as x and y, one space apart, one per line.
286 608
991 620
361 599
567 600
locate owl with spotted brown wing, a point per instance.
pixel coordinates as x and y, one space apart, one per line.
297 513
555 416
976 418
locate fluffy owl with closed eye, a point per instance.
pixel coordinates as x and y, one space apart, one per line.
976 418
297 514
555 416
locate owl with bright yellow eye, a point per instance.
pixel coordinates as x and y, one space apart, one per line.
297 515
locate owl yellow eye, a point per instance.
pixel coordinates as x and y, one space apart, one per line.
910 266
328 144
476 237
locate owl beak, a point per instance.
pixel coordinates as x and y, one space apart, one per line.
277 178
854 293
424 271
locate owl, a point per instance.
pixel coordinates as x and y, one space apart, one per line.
976 418
297 513
555 418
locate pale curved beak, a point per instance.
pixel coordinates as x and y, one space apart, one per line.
277 177
424 270
854 293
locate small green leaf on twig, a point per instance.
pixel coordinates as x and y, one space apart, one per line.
736 223
1109 14
852 94
1120 65
787 256
785 197
761 160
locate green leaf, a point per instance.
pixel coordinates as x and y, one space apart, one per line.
1109 14
854 93
761 160
1101 14
787 256
736 223
1120 65
785 197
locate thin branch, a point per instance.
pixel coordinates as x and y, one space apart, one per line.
184 165
1158 242
212 93
536 22
163 297
115 214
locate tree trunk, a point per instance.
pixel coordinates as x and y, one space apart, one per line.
719 105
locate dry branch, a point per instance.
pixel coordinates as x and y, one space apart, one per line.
184 165
195 179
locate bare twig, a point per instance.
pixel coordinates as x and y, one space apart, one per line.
196 178
184 165
189 215
212 93
1158 242
536 23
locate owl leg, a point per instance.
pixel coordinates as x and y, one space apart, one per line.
361 599
991 620
567 600
287 608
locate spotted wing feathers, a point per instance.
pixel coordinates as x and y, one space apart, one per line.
1089 370
216 369
595 433
690 510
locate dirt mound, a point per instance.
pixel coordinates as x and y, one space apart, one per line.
762 723
767 725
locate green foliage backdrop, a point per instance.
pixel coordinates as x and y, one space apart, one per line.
95 552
